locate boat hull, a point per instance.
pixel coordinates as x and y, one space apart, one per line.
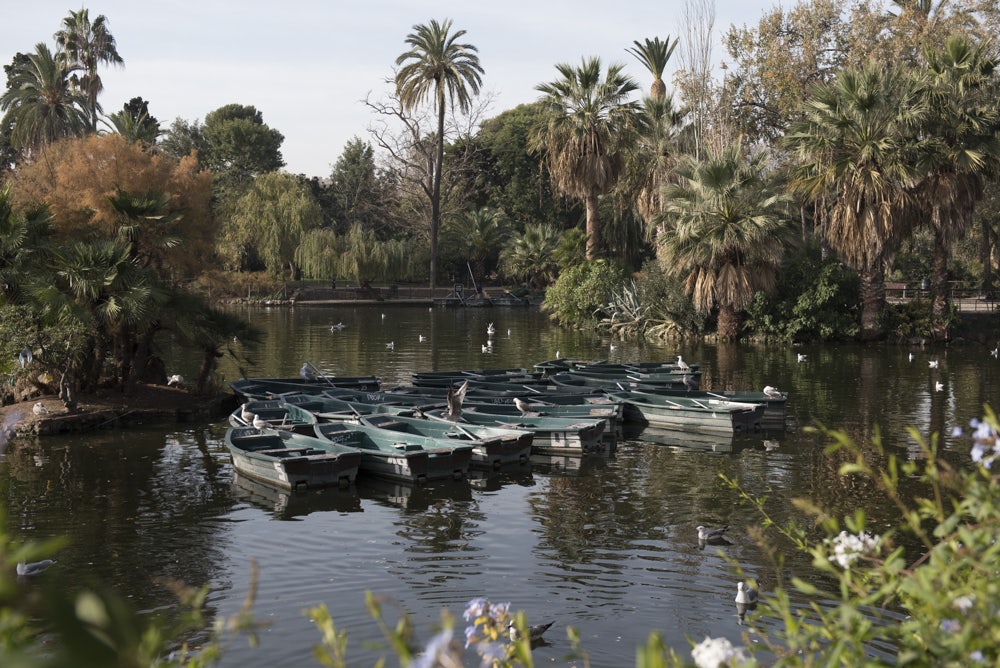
290 461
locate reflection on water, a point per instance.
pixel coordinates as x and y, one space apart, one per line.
605 543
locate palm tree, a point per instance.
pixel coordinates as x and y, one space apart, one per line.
482 232
84 46
40 104
654 55
855 147
725 232
589 125
438 67
532 255
962 123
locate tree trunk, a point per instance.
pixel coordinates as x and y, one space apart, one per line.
594 243
939 289
986 256
436 188
729 323
872 303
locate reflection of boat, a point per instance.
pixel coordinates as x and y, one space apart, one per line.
289 460
390 454
509 474
680 438
677 412
411 496
289 505
567 465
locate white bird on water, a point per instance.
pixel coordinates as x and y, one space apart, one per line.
933 364
39 409
772 392
612 347
391 345
336 328
175 379
421 338
801 357
713 536
682 365
490 329
260 423
24 357
912 356
534 632
33 567
938 386
996 351
487 348
745 594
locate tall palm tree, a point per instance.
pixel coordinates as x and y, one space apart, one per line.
725 232
654 54
85 45
855 148
40 104
589 125
962 125
532 255
440 68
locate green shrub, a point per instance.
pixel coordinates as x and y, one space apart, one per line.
579 293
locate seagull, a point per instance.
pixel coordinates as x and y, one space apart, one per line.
933 364
490 329
246 414
508 336
996 351
612 347
421 338
455 399
391 345
175 379
33 567
534 632
487 348
688 382
39 409
306 372
713 536
772 392
745 594
682 365
912 356
939 386
557 354
801 357
770 444
522 405
259 423
25 357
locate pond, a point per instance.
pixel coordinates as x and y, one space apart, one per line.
606 544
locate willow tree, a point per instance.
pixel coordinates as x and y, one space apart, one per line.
438 67
588 126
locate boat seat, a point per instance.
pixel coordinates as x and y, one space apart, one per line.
277 452
256 442
407 446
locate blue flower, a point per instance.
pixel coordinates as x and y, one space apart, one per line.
475 608
950 626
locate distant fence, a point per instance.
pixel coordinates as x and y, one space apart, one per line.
966 297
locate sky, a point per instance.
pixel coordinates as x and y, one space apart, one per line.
307 65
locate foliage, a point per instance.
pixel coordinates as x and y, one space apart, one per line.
361 193
363 257
476 237
135 123
589 124
182 138
815 300
80 178
932 605
239 146
580 292
533 255
267 223
83 46
652 306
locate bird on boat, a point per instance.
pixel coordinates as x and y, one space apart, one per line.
534 632
391 345
689 382
772 392
175 379
745 594
31 568
39 409
938 386
713 536
802 357
259 423
306 372
933 364
246 414
490 329
455 399
24 357
682 365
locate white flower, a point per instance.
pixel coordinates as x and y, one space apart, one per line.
715 652
848 547
964 603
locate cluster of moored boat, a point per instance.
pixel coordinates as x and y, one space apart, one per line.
319 430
